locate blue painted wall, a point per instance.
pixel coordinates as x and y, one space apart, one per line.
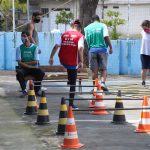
124 60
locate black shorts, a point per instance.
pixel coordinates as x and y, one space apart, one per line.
145 60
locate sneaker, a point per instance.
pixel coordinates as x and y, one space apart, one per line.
74 107
24 94
143 83
39 93
104 87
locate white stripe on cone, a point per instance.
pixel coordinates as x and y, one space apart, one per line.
70 121
71 135
99 104
145 121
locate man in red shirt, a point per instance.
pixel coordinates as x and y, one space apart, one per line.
70 55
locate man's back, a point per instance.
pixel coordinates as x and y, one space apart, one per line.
95 33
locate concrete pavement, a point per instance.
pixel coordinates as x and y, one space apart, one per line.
19 132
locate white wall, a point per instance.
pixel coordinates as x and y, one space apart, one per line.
137 13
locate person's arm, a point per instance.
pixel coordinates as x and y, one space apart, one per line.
30 30
55 48
107 40
80 52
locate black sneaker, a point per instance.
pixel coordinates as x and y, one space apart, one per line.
24 94
143 83
74 107
104 87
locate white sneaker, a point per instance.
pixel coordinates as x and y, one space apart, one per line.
104 87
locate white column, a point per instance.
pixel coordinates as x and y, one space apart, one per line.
13 12
28 11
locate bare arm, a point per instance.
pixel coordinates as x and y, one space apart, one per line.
53 53
30 30
107 40
80 57
28 64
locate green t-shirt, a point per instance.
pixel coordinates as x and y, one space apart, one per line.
27 53
95 33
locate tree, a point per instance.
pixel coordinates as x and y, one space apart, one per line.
64 17
113 22
87 10
6 10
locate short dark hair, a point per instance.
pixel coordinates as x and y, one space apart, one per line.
76 23
145 23
95 18
36 13
25 32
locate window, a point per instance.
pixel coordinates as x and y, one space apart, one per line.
60 9
116 7
45 12
105 7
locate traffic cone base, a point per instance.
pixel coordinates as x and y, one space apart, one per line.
99 112
79 145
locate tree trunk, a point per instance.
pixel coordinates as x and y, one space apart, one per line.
87 10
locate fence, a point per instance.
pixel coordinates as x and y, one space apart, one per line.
124 60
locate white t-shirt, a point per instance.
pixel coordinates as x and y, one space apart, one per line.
145 45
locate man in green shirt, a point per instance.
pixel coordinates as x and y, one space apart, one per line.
98 40
27 57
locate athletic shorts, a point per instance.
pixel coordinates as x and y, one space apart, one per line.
145 60
98 60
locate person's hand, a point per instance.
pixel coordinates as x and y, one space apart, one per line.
80 66
39 51
110 51
51 61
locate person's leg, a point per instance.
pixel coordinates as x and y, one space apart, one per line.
93 65
21 73
38 74
72 76
145 65
143 76
103 57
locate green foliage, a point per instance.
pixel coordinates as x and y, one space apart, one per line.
113 21
6 9
64 17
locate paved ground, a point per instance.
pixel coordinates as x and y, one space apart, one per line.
19 132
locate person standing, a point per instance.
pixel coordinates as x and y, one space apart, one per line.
145 50
36 18
27 57
98 40
70 55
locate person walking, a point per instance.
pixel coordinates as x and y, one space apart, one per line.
71 55
97 38
145 50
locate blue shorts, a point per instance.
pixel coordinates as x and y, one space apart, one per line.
145 60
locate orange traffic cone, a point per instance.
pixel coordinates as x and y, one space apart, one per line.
144 125
92 102
99 103
71 137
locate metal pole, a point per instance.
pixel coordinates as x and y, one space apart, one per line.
13 11
128 36
28 12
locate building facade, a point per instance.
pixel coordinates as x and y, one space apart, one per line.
133 11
